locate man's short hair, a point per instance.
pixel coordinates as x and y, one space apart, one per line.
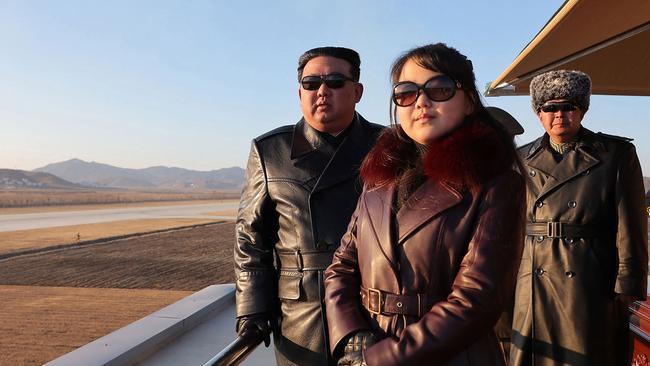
349 55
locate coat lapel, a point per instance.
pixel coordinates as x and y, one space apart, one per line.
379 211
347 159
430 199
574 163
540 161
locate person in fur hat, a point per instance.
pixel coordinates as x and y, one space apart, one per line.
585 256
431 254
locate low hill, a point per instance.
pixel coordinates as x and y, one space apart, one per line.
103 175
18 179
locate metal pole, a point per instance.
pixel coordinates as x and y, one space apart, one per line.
237 351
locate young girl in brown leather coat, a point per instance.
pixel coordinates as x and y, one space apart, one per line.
431 254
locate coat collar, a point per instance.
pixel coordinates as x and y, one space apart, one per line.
587 140
346 159
473 154
305 139
585 156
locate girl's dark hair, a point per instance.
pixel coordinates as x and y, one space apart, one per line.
446 60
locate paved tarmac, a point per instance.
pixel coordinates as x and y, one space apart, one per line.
67 218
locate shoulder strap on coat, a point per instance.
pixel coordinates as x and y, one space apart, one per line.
620 138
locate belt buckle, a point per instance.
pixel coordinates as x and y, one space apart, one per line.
554 229
378 292
299 263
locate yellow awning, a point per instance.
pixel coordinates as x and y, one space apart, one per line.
609 40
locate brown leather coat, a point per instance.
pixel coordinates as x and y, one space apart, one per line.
452 254
565 311
298 198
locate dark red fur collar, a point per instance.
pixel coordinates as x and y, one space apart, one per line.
467 157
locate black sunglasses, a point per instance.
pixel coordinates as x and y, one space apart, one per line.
332 81
555 107
439 89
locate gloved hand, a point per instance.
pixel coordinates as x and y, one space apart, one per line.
258 323
353 351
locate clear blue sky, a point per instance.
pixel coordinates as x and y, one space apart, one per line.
190 83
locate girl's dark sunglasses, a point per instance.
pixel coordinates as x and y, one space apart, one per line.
439 89
562 106
332 81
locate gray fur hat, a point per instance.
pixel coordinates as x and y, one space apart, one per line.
571 85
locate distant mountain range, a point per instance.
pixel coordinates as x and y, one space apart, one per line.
91 174
79 174
17 179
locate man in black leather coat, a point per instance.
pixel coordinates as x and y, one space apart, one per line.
301 188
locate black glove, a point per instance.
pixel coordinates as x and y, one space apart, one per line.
353 351
258 323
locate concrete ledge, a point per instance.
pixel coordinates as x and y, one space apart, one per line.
144 337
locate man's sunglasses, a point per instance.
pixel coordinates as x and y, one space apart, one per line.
561 107
332 81
439 89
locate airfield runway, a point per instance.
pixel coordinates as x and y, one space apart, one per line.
40 220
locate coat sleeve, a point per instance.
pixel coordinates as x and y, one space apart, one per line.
255 235
632 228
342 284
483 283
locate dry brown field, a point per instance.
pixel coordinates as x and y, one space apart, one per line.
185 259
55 301
54 197
38 324
21 240
222 213
105 206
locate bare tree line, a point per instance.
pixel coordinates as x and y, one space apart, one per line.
33 198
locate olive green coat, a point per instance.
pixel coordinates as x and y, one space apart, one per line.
565 313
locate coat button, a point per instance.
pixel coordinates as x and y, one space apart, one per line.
532 173
569 274
540 204
570 241
540 238
572 204
539 272
323 245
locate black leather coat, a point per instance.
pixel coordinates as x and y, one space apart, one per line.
565 312
298 198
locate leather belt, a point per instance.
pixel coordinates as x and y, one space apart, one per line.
554 229
305 261
380 302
